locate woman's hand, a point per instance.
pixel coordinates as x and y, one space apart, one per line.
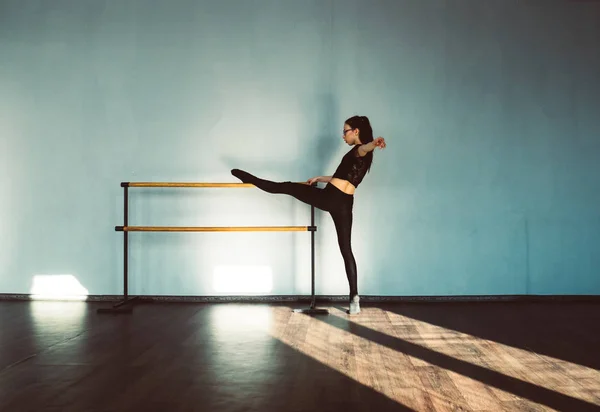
314 180
379 142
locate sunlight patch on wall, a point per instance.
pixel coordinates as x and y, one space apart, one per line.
57 287
243 279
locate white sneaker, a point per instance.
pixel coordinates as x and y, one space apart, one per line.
354 306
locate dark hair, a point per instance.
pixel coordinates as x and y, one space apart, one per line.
366 133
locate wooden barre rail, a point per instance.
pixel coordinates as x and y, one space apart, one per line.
215 228
183 184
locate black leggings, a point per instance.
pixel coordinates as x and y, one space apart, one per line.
331 199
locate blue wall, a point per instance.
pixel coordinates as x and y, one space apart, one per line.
489 185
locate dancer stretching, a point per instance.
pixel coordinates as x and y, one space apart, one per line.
337 197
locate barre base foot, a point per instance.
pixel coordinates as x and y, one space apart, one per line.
120 307
114 311
312 310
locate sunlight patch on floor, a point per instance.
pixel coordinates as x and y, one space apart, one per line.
540 369
411 380
537 369
340 350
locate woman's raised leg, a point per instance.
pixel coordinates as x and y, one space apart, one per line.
308 194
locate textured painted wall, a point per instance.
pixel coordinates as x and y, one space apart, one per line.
489 184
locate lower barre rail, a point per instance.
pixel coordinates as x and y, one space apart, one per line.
215 228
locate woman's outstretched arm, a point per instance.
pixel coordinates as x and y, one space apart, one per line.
323 179
369 147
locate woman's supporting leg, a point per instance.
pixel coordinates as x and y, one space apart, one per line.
343 225
305 193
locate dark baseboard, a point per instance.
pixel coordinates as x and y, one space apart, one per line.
330 298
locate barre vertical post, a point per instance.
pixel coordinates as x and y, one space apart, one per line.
313 310
117 308
125 241
312 255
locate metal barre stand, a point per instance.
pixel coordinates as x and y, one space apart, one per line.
312 310
122 306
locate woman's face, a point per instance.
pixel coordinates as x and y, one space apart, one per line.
350 135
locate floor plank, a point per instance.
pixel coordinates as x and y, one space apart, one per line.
62 356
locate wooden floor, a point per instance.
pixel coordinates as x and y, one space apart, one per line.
62 356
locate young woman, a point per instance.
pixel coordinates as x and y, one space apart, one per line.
337 197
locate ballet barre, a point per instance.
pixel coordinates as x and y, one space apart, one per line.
212 229
121 307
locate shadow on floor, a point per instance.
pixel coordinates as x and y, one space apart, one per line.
567 331
486 376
